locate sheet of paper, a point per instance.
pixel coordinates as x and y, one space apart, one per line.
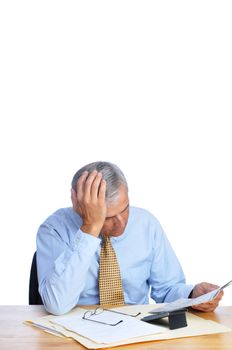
101 333
184 302
225 285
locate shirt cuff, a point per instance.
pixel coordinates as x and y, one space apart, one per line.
178 291
188 290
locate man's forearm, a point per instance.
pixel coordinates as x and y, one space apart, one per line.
61 285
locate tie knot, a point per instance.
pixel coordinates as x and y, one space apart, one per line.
105 240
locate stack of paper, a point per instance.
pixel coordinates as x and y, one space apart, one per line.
95 335
104 332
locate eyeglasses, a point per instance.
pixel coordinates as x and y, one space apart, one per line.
99 310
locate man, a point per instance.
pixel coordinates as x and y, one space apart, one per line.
69 244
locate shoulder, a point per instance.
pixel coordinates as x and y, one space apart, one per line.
147 225
143 226
62 217
142 217
59 214
142 214
62 224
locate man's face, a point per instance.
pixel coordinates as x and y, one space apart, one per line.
117 215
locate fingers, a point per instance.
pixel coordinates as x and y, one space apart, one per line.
203 288
91 187
204 308
207 307
219 296
88 185
89 201
102 191
210 287
80 185
95 187
211 305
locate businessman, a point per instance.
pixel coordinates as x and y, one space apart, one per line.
69 246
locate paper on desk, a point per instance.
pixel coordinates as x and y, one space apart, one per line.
196 326
101 333
187 302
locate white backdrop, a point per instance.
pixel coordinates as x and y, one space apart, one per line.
143 84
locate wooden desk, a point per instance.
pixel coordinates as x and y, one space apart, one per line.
15 335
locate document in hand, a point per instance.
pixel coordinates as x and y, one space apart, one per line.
187 302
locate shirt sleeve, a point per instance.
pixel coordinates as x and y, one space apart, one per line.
167 278
62 267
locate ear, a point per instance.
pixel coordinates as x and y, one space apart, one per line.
73 195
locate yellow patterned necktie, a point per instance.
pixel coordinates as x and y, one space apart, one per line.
110 283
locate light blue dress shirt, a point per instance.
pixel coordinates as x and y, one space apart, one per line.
68 262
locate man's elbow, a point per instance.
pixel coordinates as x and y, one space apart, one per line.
56 309
53 305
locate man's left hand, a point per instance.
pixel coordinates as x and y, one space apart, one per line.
203 288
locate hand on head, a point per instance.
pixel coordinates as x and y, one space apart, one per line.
89 201
203 288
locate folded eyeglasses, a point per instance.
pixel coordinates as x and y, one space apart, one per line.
88 314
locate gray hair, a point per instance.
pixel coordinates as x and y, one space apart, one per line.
110 172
